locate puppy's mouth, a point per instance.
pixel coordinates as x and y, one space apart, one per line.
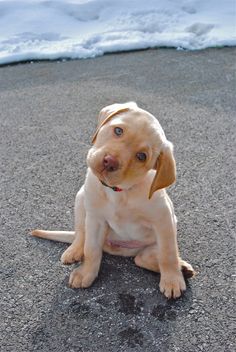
109 177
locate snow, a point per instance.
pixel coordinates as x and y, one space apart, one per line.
37 29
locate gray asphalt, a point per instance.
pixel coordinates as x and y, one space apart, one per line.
47 117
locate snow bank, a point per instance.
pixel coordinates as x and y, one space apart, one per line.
37 29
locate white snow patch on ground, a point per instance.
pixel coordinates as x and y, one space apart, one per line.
38 29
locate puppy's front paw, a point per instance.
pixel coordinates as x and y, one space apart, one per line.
80 279
172 284
72 254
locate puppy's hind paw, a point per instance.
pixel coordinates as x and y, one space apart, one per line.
71 255
187 269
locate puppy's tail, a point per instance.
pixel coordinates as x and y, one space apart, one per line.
60 236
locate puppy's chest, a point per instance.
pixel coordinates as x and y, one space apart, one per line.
126 219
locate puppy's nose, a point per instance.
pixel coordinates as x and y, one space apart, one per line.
110 163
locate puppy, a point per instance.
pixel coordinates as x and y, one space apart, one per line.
123 208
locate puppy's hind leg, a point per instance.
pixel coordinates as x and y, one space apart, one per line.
148 259
75 251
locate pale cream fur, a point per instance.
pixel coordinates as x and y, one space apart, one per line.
141 212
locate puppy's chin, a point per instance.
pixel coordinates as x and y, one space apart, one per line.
112 179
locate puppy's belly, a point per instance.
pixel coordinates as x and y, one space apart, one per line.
129 235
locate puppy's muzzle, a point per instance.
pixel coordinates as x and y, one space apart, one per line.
110 163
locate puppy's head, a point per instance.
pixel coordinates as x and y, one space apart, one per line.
128 143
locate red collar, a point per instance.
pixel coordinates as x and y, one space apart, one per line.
115 189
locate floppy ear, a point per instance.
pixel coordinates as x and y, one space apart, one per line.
165 169
108 112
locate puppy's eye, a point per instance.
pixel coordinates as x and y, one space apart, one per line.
118 131
141 156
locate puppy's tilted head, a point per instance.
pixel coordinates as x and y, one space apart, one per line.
128 143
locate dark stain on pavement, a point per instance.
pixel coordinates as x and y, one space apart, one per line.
132 337
163 312
129 304
79 308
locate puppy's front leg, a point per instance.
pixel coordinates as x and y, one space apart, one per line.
172 282
75 251
95 232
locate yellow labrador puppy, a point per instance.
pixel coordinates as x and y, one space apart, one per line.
123 207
